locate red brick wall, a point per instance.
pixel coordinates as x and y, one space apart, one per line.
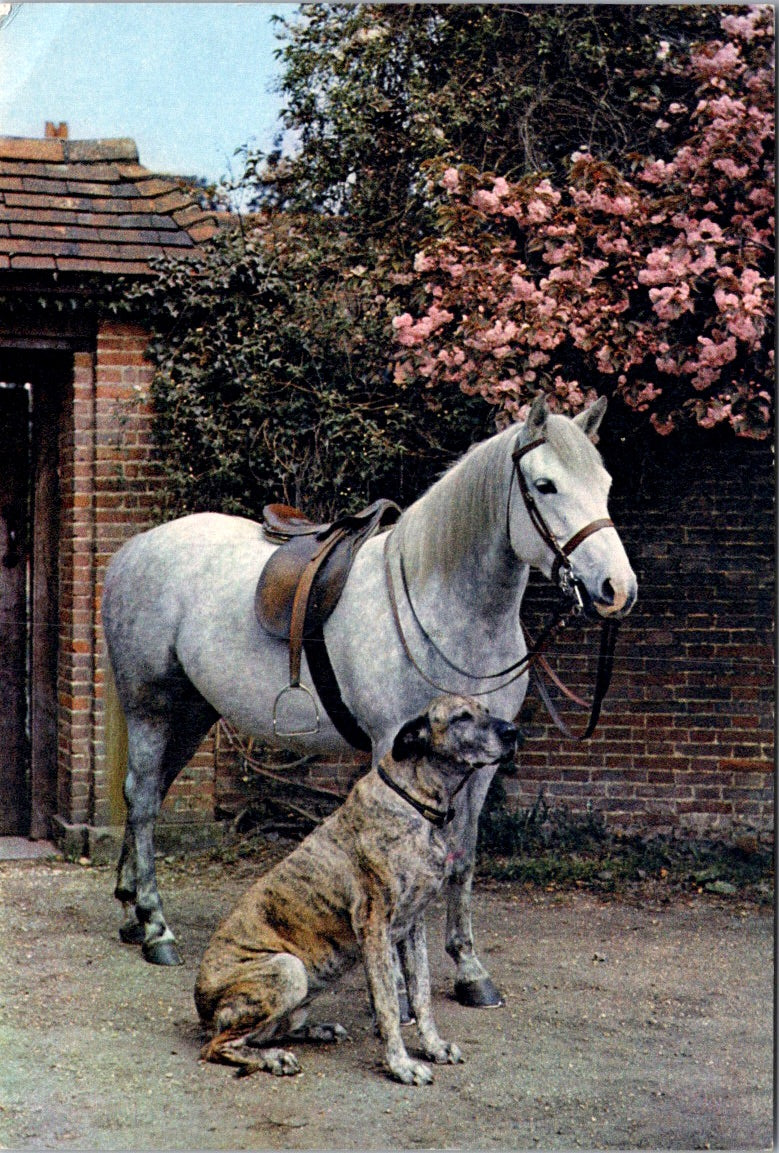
686 736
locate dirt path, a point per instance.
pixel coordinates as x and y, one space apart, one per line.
626 1026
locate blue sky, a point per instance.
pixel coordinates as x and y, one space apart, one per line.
190 83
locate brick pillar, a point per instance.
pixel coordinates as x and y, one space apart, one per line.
75 671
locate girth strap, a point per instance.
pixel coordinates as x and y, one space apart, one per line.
300 603
328 689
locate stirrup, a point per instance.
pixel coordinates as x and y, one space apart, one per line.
292 688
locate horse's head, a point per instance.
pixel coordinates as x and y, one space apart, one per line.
561 525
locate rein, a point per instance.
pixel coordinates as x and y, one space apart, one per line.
570 585
511 672
608 640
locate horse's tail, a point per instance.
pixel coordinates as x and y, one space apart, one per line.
115 744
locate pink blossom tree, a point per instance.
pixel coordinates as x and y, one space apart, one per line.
654 284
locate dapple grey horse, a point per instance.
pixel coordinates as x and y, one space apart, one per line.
184 646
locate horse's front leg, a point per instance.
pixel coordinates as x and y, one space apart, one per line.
473 985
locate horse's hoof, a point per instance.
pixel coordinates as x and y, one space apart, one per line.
478 994
161 953
132 933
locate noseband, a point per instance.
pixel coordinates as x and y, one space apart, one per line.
562 569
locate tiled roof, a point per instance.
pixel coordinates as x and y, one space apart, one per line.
89 206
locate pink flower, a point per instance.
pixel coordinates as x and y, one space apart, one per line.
663 426
451 180
538 211
747 27
537 358
647 394
604 360
715 355
423 262
402 321
486 201
728 167
670 302
522 289
725 60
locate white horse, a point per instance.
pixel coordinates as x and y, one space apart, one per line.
185 648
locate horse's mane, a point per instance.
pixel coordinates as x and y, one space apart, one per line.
468 502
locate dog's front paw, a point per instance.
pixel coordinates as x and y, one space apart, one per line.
325 1031
447 1053
279 1062
411 1072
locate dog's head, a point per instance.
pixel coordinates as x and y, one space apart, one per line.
457 731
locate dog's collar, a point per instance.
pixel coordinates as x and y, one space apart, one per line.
437 817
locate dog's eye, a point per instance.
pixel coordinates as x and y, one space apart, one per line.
546 486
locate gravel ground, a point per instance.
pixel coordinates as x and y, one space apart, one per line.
629 1023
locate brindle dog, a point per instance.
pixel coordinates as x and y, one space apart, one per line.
357 886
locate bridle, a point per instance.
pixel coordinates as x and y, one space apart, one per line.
562 569
575 603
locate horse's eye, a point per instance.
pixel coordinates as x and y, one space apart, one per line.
546 486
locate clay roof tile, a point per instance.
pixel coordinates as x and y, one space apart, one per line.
90 206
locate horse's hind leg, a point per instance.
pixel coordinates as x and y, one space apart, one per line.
159 745
132 932
473 985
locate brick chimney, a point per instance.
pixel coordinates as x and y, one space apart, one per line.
56 131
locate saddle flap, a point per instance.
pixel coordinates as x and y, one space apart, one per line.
331 548
279 581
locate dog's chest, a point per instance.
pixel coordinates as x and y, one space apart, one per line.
419 867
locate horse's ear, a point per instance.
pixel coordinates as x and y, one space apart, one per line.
412 739
589 420
537 418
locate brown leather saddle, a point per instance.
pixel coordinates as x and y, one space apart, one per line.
299 588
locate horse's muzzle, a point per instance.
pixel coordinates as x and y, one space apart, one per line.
609 604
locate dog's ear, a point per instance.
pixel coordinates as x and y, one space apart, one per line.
412 740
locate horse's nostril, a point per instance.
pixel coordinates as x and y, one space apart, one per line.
607 592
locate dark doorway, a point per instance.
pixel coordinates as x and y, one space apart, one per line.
14 522
32 386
